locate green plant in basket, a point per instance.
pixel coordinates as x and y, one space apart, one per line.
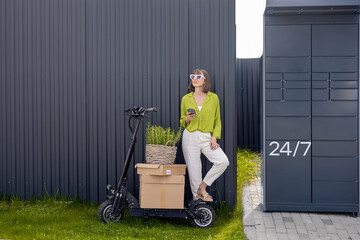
159 136
161 144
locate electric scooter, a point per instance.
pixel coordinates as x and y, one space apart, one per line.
199 212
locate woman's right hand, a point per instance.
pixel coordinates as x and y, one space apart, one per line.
190 117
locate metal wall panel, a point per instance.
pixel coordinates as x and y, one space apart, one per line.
334 40
291 128
334 149
338 191
338 169
248 78
43 101
287 108
313 3
68 69
334 64
287 40
335 53
287 64
297 173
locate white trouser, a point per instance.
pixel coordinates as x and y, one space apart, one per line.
195 143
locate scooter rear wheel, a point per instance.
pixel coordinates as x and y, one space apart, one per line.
208 216
105 215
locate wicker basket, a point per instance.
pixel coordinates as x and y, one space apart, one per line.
160 154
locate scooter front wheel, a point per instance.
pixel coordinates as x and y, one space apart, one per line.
208 216
105 215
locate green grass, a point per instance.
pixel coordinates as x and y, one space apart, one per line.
58 218
249 165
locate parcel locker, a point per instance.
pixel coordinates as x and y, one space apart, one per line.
310 110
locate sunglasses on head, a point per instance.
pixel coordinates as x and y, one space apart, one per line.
193 76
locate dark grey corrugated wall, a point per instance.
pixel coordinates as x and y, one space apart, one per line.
248 77
68 69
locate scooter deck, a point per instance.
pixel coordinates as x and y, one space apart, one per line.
167 213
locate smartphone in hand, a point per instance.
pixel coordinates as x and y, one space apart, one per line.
191 110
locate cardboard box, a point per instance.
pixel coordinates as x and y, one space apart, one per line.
161 191
161 185
161 169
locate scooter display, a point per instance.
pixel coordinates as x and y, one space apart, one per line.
199 212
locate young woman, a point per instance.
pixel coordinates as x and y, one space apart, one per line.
200 134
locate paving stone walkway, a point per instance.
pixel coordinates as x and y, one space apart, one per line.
294 225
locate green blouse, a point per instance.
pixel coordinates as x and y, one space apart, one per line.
208 119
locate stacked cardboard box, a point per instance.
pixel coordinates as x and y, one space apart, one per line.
161 185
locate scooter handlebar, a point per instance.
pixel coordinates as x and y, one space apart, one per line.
153 109
141 109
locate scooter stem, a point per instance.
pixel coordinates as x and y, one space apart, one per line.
120 196
129 154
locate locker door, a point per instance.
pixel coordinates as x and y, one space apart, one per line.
288 110
334 114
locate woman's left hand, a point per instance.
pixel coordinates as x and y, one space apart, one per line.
213 144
